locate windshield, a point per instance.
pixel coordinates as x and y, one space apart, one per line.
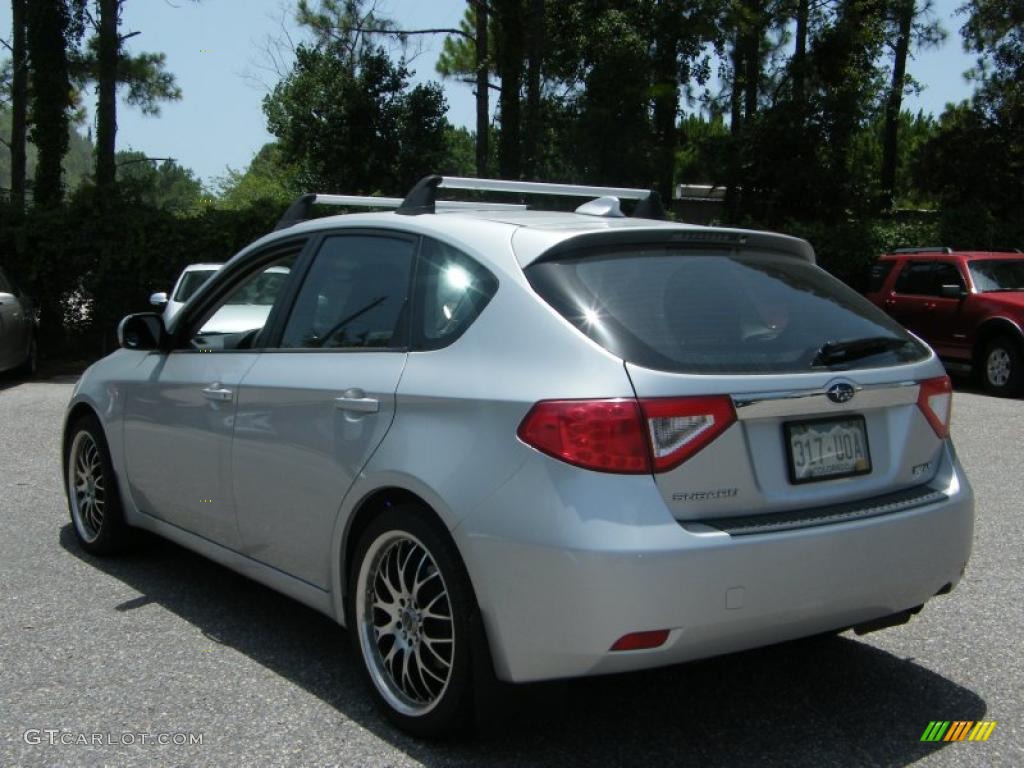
992 275
726 312
190 283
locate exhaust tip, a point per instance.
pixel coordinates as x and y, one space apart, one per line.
893 620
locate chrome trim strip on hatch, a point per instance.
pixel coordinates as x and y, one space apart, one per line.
803 402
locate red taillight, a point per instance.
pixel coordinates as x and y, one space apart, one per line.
626 436
679 427
639 641
605 435
935 399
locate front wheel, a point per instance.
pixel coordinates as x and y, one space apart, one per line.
412 612
91 486
1003 367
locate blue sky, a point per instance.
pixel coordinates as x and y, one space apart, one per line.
213 48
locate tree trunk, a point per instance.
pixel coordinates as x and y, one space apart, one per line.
800 52
106 108
534 54
893 105
483 106
19 104
752 61
510 63
666 100
732 194
47 29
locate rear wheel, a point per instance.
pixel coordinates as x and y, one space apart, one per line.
93 498
412 611
1002 367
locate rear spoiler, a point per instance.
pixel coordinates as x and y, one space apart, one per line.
686 237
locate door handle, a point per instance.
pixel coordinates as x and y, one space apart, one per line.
218 394
356 401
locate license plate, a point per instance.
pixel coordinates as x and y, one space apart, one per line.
825 449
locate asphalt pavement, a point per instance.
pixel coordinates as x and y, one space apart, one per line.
102 659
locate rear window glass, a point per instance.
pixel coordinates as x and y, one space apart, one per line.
716 312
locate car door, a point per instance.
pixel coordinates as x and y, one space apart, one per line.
950 336
312 411
13 325
179 416
912 302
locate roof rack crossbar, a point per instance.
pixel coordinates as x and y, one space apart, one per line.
541 188
925 249
422 198
301 209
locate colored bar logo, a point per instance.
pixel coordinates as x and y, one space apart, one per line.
958 730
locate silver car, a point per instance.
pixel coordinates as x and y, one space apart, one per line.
497 442
18 346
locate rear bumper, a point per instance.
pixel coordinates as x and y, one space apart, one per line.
564 568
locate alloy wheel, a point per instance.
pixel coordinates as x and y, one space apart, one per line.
405 624
998 367
86 486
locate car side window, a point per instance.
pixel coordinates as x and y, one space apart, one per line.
877 275
946 274
236 321
354 296
915 279
451 291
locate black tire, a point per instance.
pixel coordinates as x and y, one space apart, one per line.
1002 367
451 709
30 365
89 474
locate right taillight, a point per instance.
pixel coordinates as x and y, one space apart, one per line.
935 400
679 427
625 435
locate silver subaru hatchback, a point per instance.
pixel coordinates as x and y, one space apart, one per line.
505 443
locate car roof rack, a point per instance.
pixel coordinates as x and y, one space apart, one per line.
422 198
301 209
926 249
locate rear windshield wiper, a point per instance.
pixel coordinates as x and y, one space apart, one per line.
836 352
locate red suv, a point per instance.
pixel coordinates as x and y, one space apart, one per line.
969 305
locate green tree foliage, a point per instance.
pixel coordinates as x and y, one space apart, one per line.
349 121
267 179
164 185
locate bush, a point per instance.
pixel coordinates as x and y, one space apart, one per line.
92 261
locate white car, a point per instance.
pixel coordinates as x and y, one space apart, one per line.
193 276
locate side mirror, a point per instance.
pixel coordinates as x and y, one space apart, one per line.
158 299
142 331
7 298
952 292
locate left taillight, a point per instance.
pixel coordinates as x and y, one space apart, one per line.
935 399
626 436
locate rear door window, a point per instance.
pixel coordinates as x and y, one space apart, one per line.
915 279
715 312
